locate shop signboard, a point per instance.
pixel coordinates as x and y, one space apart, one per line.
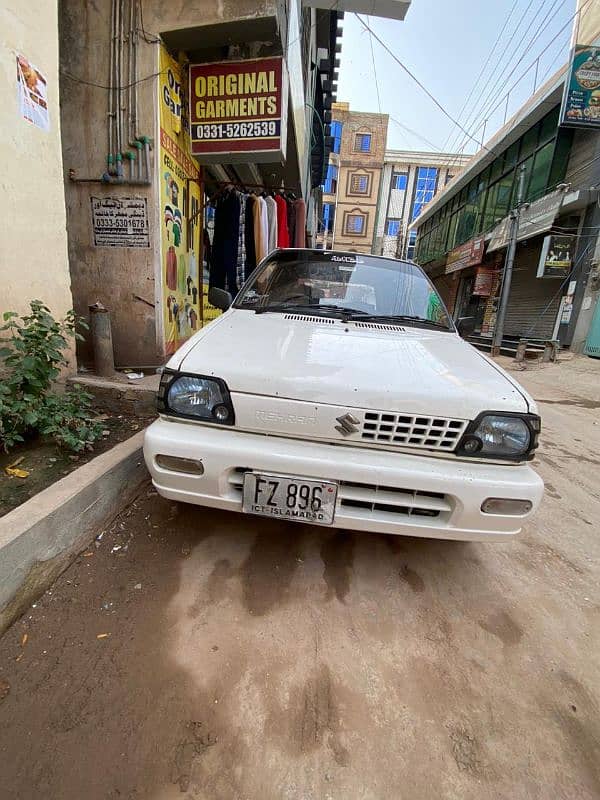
535 218
465 255
484 281
556 257
238 109
183 293
581 99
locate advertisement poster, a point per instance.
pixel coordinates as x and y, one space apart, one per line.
238 107
120 221
32 90
185 308
581 100
556 257
484 282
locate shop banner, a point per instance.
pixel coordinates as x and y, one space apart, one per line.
535 218
181 227
32 91
581 99
238 107
484 281
465 255
556 256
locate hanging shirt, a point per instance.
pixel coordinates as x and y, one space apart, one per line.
291 218
283 236
225 242
300 232
241 256
249 236
261 228
171 268
272 222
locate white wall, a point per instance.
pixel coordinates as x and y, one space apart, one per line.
33 246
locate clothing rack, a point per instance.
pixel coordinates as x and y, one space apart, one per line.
240 185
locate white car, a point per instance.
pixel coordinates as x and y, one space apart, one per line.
337 391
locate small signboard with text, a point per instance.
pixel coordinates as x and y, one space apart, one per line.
465 255
484 281
535 218
239 109
120 221
556 257
581 99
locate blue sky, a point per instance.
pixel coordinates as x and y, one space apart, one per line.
445 43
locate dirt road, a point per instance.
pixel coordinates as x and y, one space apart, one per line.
252 661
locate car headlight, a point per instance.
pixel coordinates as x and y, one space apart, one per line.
501 435
195 397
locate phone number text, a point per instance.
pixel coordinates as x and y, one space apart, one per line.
260 129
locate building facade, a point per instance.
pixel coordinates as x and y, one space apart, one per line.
352 184
462 234
33 258
410 180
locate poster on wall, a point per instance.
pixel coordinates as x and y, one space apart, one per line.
556 257
239 107
120 221
32 92
484 281
184 305
581 99
465 255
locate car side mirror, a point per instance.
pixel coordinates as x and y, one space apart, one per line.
219 298
465 326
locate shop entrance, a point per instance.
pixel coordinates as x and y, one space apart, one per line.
469 304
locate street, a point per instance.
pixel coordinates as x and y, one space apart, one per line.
197 654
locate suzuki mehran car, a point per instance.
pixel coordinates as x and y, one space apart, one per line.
336 390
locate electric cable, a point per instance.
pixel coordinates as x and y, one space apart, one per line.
482 70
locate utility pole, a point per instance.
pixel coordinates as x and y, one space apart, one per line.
515 215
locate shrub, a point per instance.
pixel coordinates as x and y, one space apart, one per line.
32 349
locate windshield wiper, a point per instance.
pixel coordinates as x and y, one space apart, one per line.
312 307
407 318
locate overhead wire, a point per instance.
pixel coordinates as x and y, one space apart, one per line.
490 108
482 70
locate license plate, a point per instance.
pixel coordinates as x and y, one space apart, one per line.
295 499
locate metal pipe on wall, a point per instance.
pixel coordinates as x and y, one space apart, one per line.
119 82
134 54
110 87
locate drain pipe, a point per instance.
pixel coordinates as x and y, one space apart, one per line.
104 360
110 89
145 141
119 46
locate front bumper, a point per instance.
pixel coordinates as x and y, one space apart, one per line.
381 491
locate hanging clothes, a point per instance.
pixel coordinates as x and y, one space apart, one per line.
261 228
249 236
300 226
193 268
171 276
272 222
291 219
225 242
181 274
283 236
241 256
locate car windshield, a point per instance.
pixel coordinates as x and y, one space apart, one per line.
344 285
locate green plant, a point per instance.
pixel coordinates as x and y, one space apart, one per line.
32 349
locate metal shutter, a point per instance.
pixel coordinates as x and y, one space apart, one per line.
529 296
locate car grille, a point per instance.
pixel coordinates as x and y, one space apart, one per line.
431 433
362 499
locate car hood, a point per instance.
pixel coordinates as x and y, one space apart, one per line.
407 369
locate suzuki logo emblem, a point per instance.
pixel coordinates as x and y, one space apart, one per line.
348 424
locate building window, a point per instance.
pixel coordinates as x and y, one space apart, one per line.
399 181
336 132
328 216
330 185
359 184
392 227
355 223
362 143
410 250
424 189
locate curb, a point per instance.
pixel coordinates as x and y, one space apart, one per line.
116 396
40 538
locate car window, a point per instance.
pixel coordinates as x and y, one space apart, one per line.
359 283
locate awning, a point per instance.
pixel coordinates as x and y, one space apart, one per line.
535 218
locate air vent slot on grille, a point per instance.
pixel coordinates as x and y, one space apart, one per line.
379 326
373 499
407 430
304 318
